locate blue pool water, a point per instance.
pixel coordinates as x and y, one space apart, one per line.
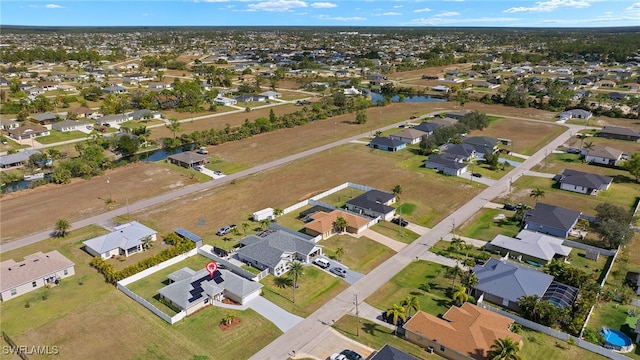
615 337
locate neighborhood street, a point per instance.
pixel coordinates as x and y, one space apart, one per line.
303 333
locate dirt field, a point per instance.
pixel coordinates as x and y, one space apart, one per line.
526 137
33 210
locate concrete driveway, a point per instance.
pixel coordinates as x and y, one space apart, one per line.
394 245
352 276
328 342
284 320
211 173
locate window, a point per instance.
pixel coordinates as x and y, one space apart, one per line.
66 272
13 292
33 284
441 348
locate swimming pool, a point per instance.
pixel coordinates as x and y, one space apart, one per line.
616 340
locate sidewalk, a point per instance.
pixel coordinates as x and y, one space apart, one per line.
539 174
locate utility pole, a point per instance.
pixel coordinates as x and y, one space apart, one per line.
357 317
109 184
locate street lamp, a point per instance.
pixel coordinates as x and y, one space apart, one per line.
109 184
357 318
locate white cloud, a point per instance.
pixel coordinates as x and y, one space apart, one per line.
48 6
421 10
340 18
277 5
447 13
634 7
212 1
550 5
323 5
397 6
435 21
390 13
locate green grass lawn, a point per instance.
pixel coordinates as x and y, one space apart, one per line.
315 288
395 232
538 346
376 336
613 315
405 209
191 173
483 169
58 136
482 225
408 281
360 254
339 198
225 166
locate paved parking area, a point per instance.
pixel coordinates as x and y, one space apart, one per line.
352 276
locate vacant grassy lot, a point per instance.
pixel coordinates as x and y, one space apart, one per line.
408 282
526 137
34 210
484 226
360 254
315 288
376 336
395 231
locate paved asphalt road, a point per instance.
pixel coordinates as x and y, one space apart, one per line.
304 332
170 196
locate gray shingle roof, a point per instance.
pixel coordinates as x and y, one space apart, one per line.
427 126
588 180
553 216
125 236
618 130
17 157
388 352
386 142
373 200
483 141
604 152
509 280
411 133
269 248
448 160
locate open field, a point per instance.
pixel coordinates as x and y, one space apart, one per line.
360 254
59 136
85 307
82 198
484 226
315 288
526 137
395 231
407 283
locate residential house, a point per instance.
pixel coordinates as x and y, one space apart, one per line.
28 132
126 239
457 114
428 127
71 125
603 155
188 159
351 91
575 114
408 136
552 220
250 98
388 352
373 203
485 85
620 133
159 86
465 332
9 124
530 246
275 249
85 112
115 89
445 121
35 271
466 152
191 290
584 183
387 144
448 164
224 101
18 159
441 88
482 144
271 95
113 120
143 114
324 223
503 282
45 119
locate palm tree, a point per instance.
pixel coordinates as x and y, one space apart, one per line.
147 242
277 212
529 306
339 253
228 319
537 193
396 312
588 145
470 280
61 227
174 126
340 224
460 295
457 245
397 191
264 223
505 349
296 269
282 282
411 303
245 226
453 273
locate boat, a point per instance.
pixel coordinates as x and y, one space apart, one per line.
33 177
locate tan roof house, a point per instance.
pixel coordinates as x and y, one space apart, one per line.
465 332
324 223
35 271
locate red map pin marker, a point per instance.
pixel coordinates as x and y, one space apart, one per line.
211 267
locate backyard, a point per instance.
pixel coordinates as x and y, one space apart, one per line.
486 224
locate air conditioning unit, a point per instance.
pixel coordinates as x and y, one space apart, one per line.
430 349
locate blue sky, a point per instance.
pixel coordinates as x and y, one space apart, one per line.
480 13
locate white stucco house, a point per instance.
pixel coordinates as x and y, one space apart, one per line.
35 271
126 239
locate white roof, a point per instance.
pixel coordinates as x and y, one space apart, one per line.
125 237
534 244
34 266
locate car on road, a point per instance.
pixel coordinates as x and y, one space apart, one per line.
351 355
323 263
478 175
339 271
225 230
399 221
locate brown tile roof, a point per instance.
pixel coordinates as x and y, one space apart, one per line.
468 329
33 267
323 222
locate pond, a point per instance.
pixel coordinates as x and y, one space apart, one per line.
158 154
375 97
23 184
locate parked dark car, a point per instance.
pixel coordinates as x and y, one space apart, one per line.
225 230
399 221
389 319
510 207
478 175
351 355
